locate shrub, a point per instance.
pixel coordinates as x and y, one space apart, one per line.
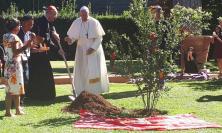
154 60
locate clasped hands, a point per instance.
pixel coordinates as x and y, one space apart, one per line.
88 52
37 45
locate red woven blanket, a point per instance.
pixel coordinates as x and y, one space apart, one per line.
177 122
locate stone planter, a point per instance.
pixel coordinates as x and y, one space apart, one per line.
201 46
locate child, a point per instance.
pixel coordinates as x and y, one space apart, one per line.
190 54
190 63
13 73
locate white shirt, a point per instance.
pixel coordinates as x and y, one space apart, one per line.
26 53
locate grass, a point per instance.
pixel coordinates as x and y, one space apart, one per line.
202 98
60 69
212 65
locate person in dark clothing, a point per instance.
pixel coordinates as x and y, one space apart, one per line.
218 48
25 35
2 60
41 81
2 51
162 28
190 63
162 25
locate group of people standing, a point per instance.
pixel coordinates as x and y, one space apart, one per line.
27 50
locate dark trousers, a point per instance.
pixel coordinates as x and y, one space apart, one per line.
26 79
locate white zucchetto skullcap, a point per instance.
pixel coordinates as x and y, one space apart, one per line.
84 8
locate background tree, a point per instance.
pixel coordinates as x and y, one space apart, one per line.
155 62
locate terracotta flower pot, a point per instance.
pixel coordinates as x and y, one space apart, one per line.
201 45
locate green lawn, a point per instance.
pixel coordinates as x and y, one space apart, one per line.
60 69
201 98
204 99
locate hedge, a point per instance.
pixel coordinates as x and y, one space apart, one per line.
120 24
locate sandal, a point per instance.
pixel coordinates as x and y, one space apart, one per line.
20 113
9 115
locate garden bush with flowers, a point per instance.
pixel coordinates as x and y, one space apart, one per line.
153 61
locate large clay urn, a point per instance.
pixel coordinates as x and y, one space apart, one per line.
201 46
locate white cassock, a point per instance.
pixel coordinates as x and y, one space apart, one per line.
90 72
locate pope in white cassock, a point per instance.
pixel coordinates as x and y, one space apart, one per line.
90 72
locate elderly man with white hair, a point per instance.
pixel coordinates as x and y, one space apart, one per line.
90 72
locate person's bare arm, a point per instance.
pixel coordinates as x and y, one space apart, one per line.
3 81
16 51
